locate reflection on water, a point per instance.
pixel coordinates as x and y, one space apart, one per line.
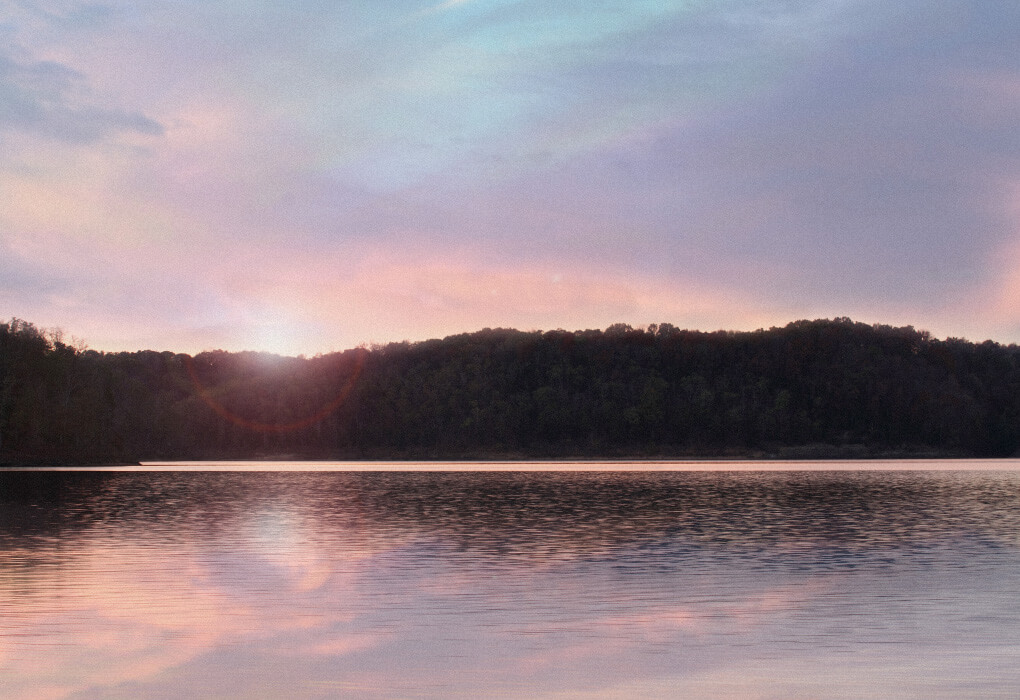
510 584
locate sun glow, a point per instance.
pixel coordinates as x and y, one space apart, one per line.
276 334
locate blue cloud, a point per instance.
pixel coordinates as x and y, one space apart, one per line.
841 155
44 98
839 158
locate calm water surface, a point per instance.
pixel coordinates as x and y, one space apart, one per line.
305 582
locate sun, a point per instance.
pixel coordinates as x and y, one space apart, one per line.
279 336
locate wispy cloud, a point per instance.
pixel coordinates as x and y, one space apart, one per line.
51 100
854 156
449 4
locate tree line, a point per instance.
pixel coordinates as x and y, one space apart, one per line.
810 389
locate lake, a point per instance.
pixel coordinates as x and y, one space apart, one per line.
530 580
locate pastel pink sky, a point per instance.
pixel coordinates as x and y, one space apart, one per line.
308 177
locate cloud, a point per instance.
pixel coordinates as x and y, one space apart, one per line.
50 100
862 176
851 157
448 5
64 13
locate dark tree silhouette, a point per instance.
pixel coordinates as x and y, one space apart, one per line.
811 388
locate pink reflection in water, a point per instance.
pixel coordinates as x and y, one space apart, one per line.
508 584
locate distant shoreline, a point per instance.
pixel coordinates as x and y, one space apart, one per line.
802 453
10 474
827 389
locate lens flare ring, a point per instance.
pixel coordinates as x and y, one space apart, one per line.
206 395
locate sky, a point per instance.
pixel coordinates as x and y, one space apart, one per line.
313 175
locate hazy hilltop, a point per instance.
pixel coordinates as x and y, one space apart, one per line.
809 389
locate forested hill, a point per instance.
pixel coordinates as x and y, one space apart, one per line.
812 388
